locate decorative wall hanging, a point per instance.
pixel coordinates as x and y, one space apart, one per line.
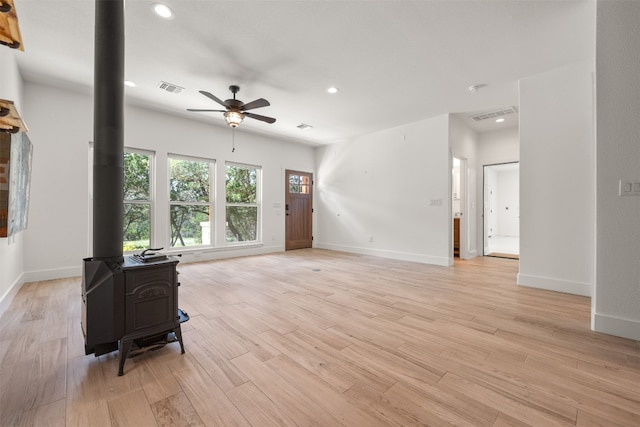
9 29
10 120
15 176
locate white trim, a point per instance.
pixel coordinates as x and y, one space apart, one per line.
52 274
187 255
625 328
210 254
8 296
553 284
403 256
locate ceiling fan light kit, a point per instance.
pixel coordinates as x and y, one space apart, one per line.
236 110
233 118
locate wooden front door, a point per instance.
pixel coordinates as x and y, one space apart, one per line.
298 209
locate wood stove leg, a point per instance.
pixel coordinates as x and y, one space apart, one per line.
125 347
178 332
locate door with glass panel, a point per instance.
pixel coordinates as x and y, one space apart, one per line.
298 210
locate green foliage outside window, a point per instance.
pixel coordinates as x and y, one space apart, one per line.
189 195
190 199
242 203
137 201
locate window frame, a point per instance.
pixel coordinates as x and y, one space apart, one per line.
257 204
211 203
151 201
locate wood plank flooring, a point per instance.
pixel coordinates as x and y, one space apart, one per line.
322 338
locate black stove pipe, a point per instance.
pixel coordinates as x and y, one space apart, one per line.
108 131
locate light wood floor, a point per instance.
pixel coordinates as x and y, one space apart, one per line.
320 338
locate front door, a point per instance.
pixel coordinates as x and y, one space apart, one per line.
298 209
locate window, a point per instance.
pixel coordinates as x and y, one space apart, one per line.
136 226
243 203
299 184
190 201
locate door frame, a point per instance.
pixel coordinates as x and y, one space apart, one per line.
464 207
485 219
288 172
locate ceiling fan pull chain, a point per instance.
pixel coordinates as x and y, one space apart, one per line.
233 140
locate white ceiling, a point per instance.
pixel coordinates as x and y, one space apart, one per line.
395 62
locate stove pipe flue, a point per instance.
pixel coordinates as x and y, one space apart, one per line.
108 137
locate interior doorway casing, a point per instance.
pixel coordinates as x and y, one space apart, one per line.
498 208
460 204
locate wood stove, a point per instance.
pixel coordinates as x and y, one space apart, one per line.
126 300
133 305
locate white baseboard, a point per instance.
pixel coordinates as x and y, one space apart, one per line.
227 252
403 256
7 298
187 256
52 274
558 285
625 328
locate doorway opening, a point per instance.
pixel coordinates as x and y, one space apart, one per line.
502 210
459 208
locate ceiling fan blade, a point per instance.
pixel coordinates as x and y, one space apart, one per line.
213 97
211 111
261 118
256 104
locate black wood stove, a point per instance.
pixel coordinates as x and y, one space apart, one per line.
127 301
130 305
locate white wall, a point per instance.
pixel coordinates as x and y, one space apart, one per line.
616 302
60 127
61 124
11 249
557 194
464 141
373 194
499 146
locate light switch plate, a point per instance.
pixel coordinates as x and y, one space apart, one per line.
629 188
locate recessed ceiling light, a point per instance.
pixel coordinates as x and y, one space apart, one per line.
304 126
129 83
162 10
500 120
332 90
475 87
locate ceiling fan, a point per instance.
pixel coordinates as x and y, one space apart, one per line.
236 110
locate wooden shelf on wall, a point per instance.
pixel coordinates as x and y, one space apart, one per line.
9 29
10 120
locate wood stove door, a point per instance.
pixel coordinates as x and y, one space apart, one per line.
151 299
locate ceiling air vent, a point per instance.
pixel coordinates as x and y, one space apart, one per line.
170 87
495 113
